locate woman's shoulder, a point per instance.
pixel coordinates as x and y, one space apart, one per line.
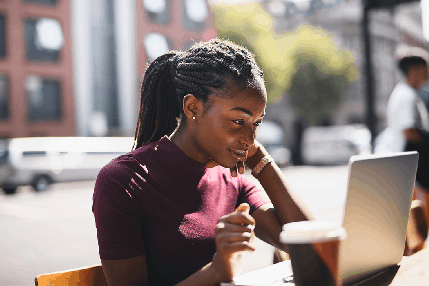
129 165
120 167
130 160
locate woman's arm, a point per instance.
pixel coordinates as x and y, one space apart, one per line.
286 206
132 271
234 233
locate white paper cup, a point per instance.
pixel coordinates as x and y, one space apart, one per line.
313 247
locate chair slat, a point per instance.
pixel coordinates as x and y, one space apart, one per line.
85 276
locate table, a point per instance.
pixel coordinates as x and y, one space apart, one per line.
412 270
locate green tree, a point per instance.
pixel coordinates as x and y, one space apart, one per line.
249 25
315 95
300 63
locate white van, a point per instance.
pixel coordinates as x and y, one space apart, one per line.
334 144
42 161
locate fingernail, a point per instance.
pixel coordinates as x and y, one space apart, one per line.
241 170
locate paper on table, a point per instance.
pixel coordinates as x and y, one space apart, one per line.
264 276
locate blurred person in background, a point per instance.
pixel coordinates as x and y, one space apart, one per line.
407 117
176 209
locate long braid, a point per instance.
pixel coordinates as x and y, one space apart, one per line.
156 116
200 70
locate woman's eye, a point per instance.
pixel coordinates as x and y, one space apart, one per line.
257 123
239 122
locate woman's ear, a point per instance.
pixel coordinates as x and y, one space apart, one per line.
192 107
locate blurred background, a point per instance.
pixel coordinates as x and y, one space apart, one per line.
73 68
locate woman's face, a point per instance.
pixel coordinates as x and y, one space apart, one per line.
228 128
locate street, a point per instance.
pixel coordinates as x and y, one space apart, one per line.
55 230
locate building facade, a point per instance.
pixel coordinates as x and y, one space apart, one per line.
111 56
74 67
36 83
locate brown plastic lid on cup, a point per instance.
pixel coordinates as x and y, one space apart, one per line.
311 231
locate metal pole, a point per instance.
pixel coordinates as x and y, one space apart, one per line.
370 113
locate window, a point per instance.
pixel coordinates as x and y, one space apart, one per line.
156 44
34 153
195 14
158 11
42 2
44 39
2 36
4 97
43 98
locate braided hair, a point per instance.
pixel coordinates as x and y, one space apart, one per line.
204 68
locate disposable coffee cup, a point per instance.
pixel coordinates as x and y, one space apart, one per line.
313 247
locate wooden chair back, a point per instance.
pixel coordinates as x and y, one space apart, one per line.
85 276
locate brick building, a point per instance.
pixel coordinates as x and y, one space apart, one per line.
111 56
36 92
73 67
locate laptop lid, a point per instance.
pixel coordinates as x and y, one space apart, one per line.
379 196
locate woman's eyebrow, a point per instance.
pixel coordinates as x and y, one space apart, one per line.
245 111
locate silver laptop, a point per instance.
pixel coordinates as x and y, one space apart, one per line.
380 190
379 196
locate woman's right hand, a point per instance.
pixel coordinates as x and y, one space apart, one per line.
234 233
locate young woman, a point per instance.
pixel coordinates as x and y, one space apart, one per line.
176 208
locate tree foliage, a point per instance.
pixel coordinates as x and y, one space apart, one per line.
304 63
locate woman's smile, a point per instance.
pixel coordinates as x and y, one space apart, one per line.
239 155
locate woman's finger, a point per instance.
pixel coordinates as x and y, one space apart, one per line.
233 171
238 217
229 227
253 149
234 236
231 247
240 167
243 207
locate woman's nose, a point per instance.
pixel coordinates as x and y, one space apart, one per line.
248 137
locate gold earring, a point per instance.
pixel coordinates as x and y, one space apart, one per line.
193 117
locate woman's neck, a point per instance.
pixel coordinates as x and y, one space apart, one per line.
183 139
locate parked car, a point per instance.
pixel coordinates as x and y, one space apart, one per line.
334 144
42 161
271 135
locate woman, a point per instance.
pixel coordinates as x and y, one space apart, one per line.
176 209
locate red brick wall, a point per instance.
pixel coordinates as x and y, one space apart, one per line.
16 67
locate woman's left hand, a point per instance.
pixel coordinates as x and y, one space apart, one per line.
239 168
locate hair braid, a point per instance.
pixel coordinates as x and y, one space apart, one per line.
158 109
205 67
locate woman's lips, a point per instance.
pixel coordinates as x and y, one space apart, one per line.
239 154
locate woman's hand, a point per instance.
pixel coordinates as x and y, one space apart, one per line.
234 233
239 168
252 155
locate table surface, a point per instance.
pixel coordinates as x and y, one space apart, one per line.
412 270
